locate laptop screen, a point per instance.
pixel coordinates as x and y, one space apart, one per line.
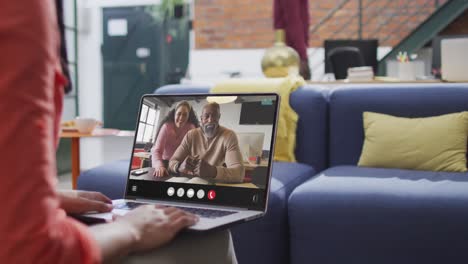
199 149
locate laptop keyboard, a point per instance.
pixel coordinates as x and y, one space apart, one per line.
206 213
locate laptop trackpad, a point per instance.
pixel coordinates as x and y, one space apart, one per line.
107 216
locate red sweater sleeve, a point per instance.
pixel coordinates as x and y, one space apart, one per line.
33 229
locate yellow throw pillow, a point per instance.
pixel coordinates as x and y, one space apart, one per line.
436 143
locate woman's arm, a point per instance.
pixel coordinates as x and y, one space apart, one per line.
35 228
157 152
158 148
181 153
80 202
147 227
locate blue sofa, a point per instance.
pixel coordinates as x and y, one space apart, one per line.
325 209
265 240
350 214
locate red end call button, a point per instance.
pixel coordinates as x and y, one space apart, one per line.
211 194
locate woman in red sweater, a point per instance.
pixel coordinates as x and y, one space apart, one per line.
34 227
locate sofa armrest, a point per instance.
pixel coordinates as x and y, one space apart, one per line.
310 103
110 179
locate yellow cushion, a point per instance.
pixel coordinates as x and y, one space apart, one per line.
432 143
287 123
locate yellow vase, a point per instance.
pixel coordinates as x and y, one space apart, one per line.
280 60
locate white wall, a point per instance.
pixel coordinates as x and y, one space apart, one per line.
211 65
230 116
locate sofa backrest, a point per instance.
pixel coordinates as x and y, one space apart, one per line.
346 105
310 104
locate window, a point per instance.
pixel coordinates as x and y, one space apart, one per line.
147 123
71 41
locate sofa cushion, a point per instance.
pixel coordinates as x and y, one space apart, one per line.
310 103
110 179
266 240
348 103
178 88
349 214
435 143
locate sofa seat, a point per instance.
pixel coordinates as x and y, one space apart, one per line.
109 178
372 215
266 239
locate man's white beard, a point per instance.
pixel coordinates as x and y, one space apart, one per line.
210 129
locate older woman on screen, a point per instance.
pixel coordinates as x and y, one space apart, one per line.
172 130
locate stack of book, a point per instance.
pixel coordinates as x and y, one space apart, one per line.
364 73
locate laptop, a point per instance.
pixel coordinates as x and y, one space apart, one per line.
218 202
454 59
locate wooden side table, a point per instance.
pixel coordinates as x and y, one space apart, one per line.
75 145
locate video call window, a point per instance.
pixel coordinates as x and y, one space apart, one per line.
189 140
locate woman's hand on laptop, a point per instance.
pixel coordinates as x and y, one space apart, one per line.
153 226
78 202
160 172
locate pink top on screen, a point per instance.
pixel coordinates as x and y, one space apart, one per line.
169 138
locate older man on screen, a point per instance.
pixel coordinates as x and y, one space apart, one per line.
204 150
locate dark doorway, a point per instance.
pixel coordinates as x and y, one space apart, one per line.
140 53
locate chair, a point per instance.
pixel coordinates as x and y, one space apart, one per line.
342 58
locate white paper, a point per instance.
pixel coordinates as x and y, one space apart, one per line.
117 27
143 52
